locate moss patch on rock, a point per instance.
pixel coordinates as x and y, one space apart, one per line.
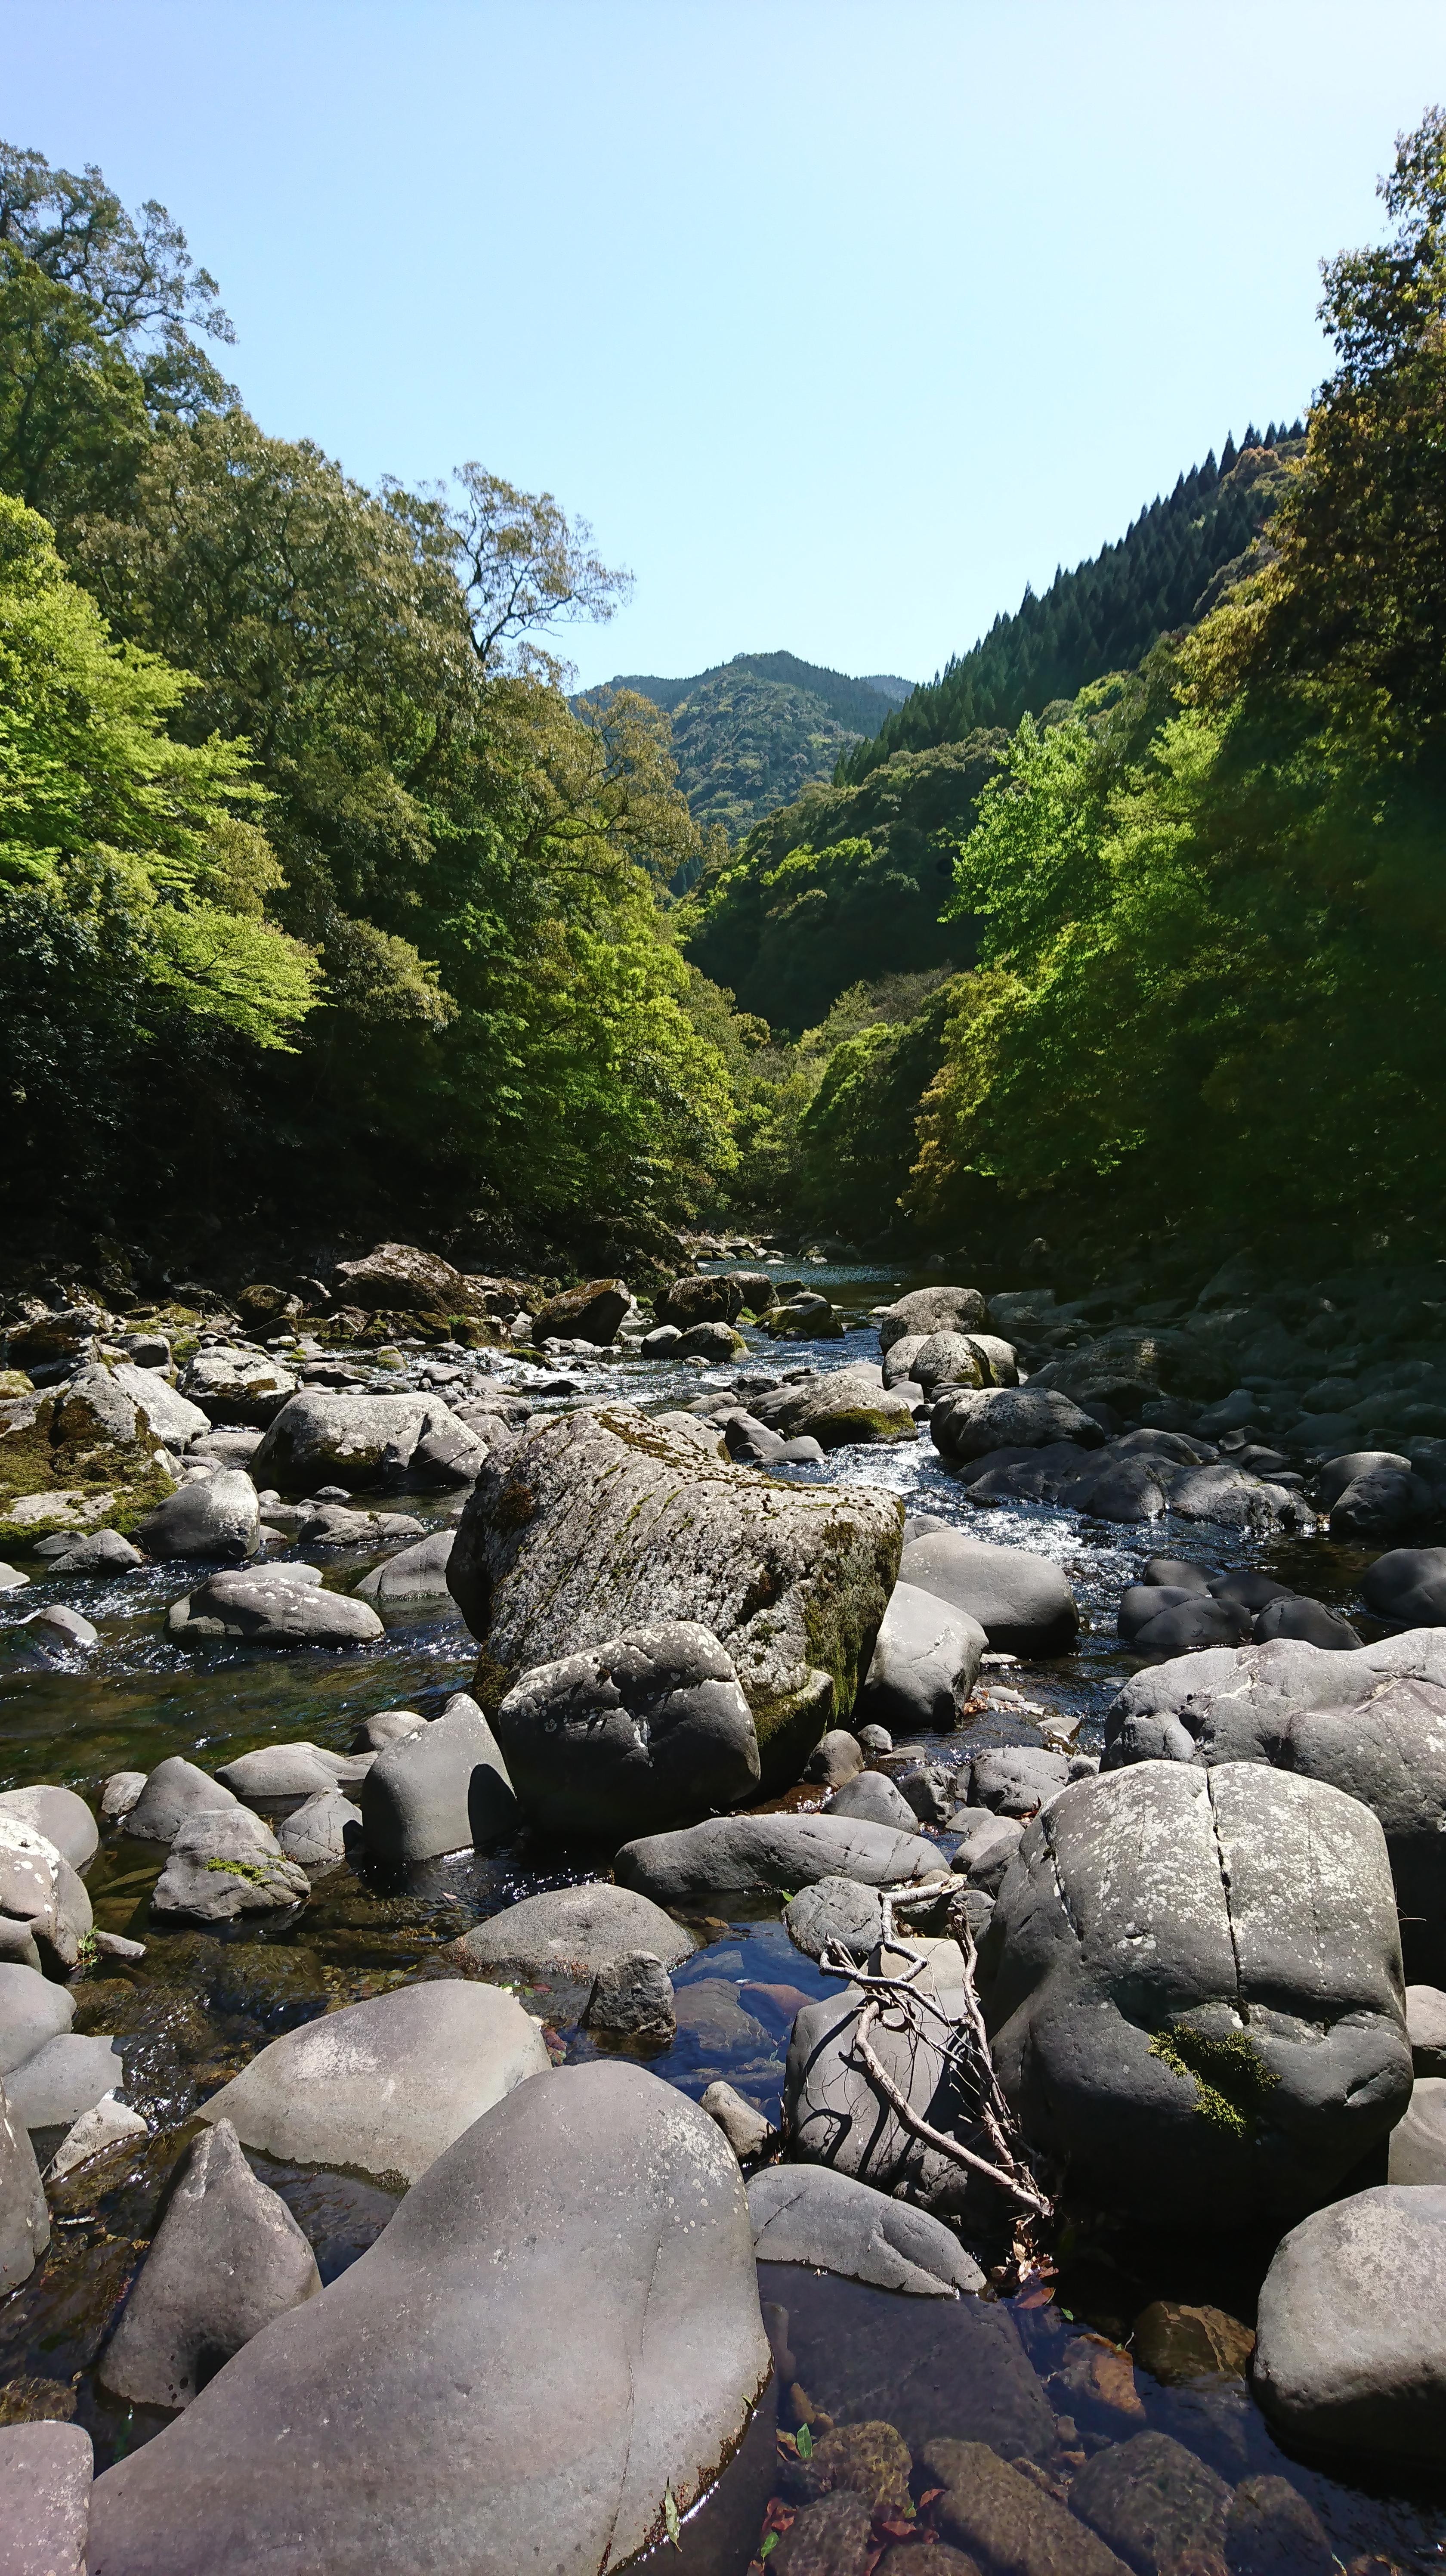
36 1457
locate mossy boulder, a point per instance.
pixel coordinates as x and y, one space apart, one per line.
83 1455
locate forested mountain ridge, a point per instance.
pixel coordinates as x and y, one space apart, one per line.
1105 615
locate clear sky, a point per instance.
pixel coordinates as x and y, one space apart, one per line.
839 322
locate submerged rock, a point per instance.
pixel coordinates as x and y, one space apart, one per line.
812 2214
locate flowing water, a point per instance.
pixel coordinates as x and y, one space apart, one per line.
200 2003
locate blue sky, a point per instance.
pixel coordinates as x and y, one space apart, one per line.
839 322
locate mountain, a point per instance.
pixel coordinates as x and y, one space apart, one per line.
751 734
1103 616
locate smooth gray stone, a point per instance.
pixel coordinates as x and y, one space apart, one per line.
18 1945
933 1310
120 1794
272 1607
576 2275
66 2076
633 1996
389 1726
219 1518
227 2257
416 1573
588 1524
976 1420
837 1758
1339 1473
731 1853
1408 1586
1145 1913
102 1552
1307 1620
58 1814
223 1863
276 1771
1016 1779
872 1797
924 1665
24 2218
835 1913
45 2490
987 1845
56 1630
810 2214
314 1834
836 2116
1351 2337
1021 1601
40 1890
384 2086
362 1441
1151 2500
745 2128
32 2010
1386 1502
567 1934
233 1446
647 1730
1426 2029
438 1791
103 2125
1418 2142
174 1792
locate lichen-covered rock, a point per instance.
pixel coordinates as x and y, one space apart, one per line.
225 1862
322 1437
932 1310
838 1408
233 1384
402 1278
592 1523
83 1455
1352 2334
591 1313
1194 1990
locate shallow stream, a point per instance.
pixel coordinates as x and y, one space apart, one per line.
200 2003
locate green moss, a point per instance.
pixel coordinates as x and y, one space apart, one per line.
255 1872
1231 2078
34 1459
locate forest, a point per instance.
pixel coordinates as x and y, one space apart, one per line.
323 900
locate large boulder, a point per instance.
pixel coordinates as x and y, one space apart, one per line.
1372 1721
649 1730
217 1517
1407 1586
1021 1601
24 2218
557 2337
729 1854
232 1384
280 1605
400 1278
924 1665
838 1408
227 2257
706 1299
321 1438
1351 2345
60 1815
1194 1991
588 1524
45 2493
810 2214
932 1310
565 1935
591 1313
438 1790
977 1420
383 2086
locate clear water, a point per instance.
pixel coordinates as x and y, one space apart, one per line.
201 2003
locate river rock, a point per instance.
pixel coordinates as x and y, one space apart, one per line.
1351 2348
1371 1721
1021 1601
1151 2500
924 1665
233 1384
62 1817
416 1573
438 1791
715 1343
1408 1587
567 1934
383 2086
595 2193
45 2492
838 1408
987 1844
1307 1621
401 1278
950 1359
104 1552
225 1862
647 1730
279 1772
728 1854
227 2257
807 1317
32 2010
387 1727
591 1313
314 1834
65 2077
836 1913
1193 1988
837 2116
1426 2029
811 2214
54 1632
632 1997
709 1298
24 2218
872 1796
932 1310
1382 1503
589 1524
1009 2525
41 1892
320 1438
1418 2141
104 2125
174 1792
276 1606
1016 1779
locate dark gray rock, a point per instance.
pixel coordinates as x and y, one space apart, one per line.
32 2010
174 1792
383 2086
417 1573
364 1441
647 1730
1351 2343
593 2193
567 1934
227 1862
1151 2500
948 1359
731 1853
591 1313
872 1797
633 1998
928 1789
836 1759
102 1552
220 1518
1010 2525
439 1790
1383 1503
1426 2029
987 1844
832 2536
1408 1587
1270 2530
278 1606
933 1310
1016 1779
1186 1619
1309 1622
314 1835
63 1818
973 1422
24 2218
924 1665
837 2116
810 2214
227 2257
592 1523
1193 1988
1021 1601
45 2492
836 1913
